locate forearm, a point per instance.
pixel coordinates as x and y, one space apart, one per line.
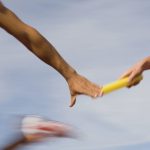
34 41
146 63
44 50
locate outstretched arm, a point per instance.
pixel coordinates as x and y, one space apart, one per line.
34 41
44 50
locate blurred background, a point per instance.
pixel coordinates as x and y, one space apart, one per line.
101 39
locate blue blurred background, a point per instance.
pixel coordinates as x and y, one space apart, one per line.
101 39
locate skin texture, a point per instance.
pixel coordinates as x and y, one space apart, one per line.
45 51
136 70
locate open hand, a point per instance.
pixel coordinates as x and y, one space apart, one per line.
80 85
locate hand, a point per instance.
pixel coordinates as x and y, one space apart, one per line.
133 72
80 85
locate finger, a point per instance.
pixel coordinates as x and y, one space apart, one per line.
132 76
134 84
126 74
132 80
101 93
73 100
94 92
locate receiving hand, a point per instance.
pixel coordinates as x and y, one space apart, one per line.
132 73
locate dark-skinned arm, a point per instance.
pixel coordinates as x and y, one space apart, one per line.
45 51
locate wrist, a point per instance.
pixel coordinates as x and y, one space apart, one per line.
146 64
68 75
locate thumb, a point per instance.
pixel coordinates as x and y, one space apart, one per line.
73 100
126 74
132 76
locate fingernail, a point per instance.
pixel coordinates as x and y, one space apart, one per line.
95 96
101 94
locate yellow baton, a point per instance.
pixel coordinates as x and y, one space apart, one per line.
119 84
